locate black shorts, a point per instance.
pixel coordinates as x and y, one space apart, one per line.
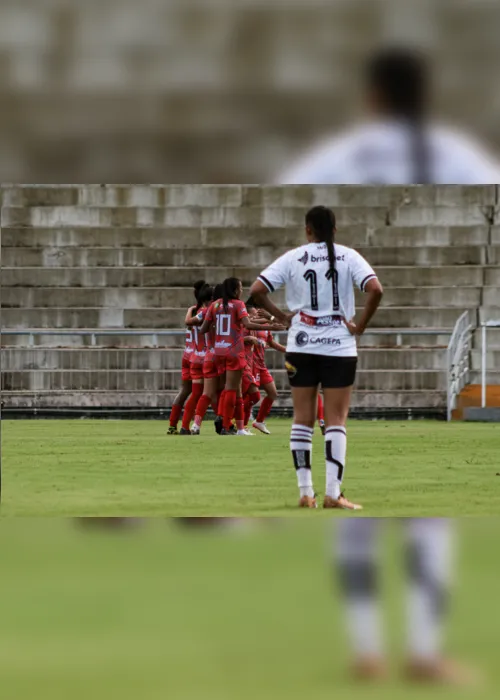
306 370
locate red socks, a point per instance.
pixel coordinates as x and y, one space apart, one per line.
321 408
264 410
175 414
201 408
220 403
250 400
239 413
229 405
190 407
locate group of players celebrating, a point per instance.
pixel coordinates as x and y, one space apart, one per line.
224 364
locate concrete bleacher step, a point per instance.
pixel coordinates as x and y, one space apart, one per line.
391 276
369 400
188 195
162 380
181 297
172 237
151 318
104 359
222 214
115 339
227 256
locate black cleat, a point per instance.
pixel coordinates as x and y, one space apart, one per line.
172 430
232 430
183 431
226 432
323 429
218 424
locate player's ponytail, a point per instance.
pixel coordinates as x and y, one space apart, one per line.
229 290
198 286
398 77
322 221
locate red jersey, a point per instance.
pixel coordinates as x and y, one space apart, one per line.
264 337
249 350
201 342
228 326
190 343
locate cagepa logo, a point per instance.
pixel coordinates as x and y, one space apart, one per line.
325 341
301 339
304 258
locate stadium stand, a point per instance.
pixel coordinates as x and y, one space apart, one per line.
123 258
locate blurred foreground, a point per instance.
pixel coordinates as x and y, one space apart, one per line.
158 610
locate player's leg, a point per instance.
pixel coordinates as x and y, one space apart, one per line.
268 385
251 399
231 389
221 370
321 413
209 397
239 412
178 403
303 376
197 391
357 556
338 375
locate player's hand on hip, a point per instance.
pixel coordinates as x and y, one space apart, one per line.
353 328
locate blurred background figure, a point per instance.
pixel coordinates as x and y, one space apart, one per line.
428 557
398 143
181 91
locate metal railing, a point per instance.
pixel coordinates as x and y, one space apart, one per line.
484 357
95 369
458 360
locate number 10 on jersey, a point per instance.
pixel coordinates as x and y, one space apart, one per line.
223 324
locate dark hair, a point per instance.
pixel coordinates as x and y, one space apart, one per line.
400 76
198 286
218 291
322 221
250 303
205 294
229 287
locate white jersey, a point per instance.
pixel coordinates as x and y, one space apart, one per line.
383 153
318 327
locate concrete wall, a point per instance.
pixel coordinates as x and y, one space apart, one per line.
112 257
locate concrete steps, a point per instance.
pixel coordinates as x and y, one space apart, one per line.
49 297
163 380
140 359
392 276
151 318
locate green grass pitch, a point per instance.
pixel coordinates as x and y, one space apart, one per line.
158 613
118 468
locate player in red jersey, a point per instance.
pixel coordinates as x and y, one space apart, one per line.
211 378
249 386
186 387
321 414
230 317
264 378
197 359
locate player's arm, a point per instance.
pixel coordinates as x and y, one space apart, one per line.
208 320
275 345
250 340
251 326
260 293
374 292
192 320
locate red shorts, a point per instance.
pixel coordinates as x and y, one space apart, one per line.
263 376
230 363
210 369
196 371
186 369
247 381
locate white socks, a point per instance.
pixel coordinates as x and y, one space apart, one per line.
301 449
335 451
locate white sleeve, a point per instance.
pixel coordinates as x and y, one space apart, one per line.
361 271
467 162
277 274
329 163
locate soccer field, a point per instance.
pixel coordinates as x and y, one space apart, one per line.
158 614
118 468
